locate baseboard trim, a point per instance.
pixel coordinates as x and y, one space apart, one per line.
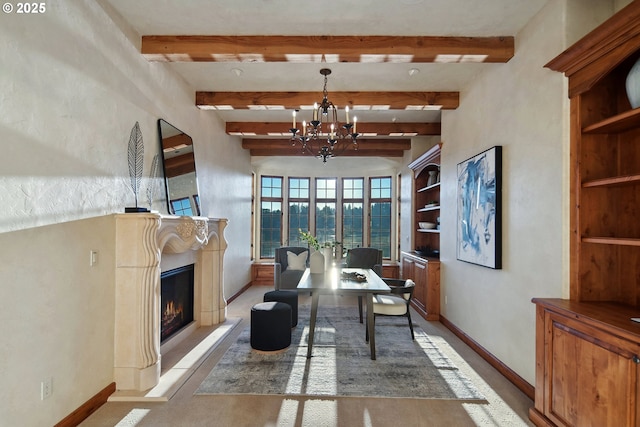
88 408
507 372
237 294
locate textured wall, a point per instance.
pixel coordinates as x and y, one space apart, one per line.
523 107
73 83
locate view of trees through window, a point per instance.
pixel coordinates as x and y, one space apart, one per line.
270 215
316 209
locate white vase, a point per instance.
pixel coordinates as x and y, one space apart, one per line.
316 262
328 258
633 85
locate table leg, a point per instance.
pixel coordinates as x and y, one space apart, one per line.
315 297
370 326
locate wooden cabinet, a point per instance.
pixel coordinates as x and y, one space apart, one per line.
426 201
586 364
425 272
587 346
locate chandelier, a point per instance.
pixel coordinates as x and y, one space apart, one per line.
323 136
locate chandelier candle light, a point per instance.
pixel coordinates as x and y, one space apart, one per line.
324 115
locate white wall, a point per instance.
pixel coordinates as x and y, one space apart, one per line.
523 107
72 87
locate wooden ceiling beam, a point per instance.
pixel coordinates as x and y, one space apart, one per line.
355 100
366 147
316 49
381 129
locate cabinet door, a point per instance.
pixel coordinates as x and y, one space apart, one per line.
592 376
420 292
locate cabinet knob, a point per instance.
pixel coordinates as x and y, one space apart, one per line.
635 359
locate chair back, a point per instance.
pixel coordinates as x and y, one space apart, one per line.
281 255
401 287
365 258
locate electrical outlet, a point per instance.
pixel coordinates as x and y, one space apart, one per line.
445 300
46 388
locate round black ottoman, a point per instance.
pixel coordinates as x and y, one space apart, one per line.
289 297
270 326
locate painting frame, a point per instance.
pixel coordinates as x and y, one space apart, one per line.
479 209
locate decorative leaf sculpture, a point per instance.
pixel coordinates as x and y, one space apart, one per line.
153 179
136 159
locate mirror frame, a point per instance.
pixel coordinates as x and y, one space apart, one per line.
178 157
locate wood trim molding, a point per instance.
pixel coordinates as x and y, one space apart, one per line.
87 408
600 51
218 48
507 372
355 100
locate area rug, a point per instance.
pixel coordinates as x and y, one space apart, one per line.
341 364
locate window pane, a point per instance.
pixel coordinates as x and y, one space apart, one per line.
298 220
380 220
182 207
352 213
352 225
326 222
270 215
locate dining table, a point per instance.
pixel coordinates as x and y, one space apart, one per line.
342 281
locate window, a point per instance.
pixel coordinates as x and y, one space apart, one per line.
182 206
380 215
326 209
298 209
352 212
271 215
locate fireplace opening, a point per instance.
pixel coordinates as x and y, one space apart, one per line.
176 300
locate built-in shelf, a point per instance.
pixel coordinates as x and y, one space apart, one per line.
613 181
428 187
621 241
430 230
618 123
430 208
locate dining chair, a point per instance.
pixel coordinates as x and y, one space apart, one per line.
364 258
394 303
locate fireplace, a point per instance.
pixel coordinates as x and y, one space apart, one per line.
141 241
176 300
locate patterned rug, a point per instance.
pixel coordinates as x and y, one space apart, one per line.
341 364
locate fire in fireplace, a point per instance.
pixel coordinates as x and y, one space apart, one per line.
176 300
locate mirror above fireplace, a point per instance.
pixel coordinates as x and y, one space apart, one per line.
179 166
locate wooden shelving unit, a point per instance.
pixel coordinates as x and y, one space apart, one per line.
425 269
587 347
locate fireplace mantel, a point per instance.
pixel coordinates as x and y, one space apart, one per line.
141 239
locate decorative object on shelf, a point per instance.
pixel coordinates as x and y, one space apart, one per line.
479 219
324 136
433 177
316 262
427 225
633 85
135 152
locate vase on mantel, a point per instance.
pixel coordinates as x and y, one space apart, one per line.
316 262
633 85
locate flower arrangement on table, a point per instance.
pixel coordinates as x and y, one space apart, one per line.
313 241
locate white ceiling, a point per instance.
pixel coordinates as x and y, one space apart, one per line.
478 18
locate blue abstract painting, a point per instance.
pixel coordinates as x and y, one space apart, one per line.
480 209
